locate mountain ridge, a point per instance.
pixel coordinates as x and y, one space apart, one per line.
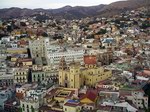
77 12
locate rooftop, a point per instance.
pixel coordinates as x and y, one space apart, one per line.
90 59
61 92
92 95
73 103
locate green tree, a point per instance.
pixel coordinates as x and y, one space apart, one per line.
20 109
146 109
32 109
102 31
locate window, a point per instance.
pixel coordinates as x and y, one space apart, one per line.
90 108
24 78
65 109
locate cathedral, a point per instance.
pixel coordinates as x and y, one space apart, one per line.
75 75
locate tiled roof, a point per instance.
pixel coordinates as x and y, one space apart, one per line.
24 60
73 104
147 72
19 95
90 95
22 42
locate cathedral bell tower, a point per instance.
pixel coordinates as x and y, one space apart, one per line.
62 72
62 64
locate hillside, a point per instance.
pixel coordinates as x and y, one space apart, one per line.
77 12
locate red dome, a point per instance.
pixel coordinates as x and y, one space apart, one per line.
90 59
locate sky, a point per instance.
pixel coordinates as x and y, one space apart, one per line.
50 4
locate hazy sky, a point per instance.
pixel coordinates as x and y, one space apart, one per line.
47 4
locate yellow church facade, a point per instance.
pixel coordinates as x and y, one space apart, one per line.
76 76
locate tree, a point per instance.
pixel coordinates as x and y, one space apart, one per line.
146 88
146 109
9 28
145 24
90 36
102 31
128 51
32 109
20 109
22 23
44 34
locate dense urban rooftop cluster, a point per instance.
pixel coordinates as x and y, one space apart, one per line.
87 65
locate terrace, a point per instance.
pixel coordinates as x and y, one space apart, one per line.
56 97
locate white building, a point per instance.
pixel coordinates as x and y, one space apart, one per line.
54 54
14 45
6 80
24 88
21 75
37 47
6 77
29 105
137 99
120 53
126 107
3 54
6 39
33 100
